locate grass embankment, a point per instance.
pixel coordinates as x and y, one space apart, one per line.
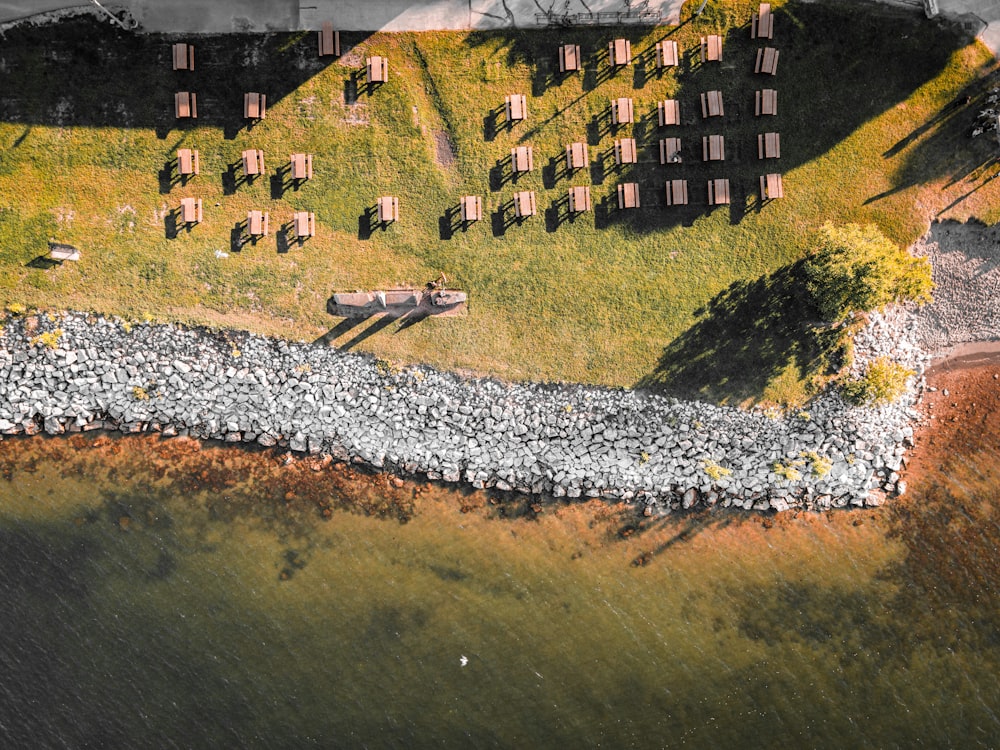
874 127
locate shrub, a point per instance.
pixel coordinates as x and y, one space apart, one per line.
789 472
716 472
140 393
16 308
49 339
820 465
884 381
856 269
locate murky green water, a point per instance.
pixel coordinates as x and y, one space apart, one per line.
157 595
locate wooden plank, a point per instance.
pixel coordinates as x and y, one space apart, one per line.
774 187
184 161
625 152
668 112
620 51
576 155
628 195
299 171
255 221
667 54
377 69
569 58
522 158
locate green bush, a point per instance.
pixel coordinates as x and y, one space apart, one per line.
884 381
855 269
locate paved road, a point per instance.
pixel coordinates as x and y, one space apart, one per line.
221 16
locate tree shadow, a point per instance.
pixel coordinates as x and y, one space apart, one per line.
744 337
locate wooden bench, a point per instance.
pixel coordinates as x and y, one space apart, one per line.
576 155
524 204
376 69
620 52
569 58
257 223
711 48
254 106
191 210
762 24
767 61
329 40
771 187
183 56
304 223
670 151
515 107
388 208
766 102
185 104
667 54
677 192
625 152
579 198
621 111
628 195
713 148
768 146
711 104
522 158
253 162
472 208
302 166
188 161
718 192
668 112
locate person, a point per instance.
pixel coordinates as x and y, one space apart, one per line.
438 283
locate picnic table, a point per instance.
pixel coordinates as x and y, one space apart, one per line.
718 192
668 112
762 24
766 102
569 58
302 166
191 210
524 204
185 104
254 106
767 61
670 151
304 223
183 56
579 198
625 152
771 187
622 111
257 223
711 104
768 146
515 107
620 52
711 48
628 195
388 208
472 208
576 155
187 161
522 158
329 40
377 69
713 148
667 54
677 192
253 162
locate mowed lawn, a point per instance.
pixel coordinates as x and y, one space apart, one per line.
875 107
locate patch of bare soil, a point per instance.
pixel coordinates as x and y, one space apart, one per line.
444 149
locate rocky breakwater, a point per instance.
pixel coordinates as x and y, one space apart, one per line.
75 372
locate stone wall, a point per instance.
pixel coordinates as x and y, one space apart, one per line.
76 372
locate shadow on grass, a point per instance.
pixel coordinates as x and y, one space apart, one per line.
747 336
43 262
83 72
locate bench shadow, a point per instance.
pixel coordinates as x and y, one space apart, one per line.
171 224
167 178
43 262
366 223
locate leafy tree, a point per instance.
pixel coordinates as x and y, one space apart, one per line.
856 268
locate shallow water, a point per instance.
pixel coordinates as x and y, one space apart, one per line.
159 593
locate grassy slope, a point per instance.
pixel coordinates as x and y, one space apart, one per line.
598 299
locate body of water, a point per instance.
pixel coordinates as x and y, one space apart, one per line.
158 593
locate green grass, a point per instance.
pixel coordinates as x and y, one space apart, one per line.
678 299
